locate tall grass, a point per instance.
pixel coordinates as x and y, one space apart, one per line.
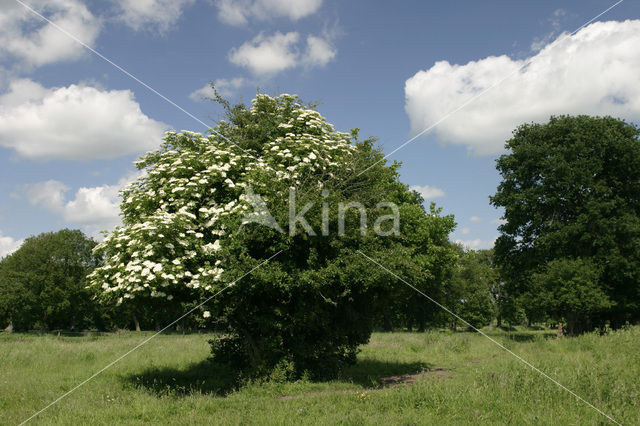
465 379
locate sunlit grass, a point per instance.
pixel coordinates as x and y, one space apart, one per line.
465 379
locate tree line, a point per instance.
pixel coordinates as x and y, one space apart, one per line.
44 287
567 253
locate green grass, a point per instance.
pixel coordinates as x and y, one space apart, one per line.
169 381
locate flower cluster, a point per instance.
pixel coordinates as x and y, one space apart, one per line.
173 234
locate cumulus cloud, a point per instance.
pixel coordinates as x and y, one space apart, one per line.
75 122
465 231
319 52
592 72
239 12
34 42
95 209
475 219
428 192
225 87
269 55
8 245
498 222
158 15
477 244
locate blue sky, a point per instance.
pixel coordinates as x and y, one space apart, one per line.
71 124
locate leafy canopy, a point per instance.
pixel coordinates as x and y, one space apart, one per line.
42 284
185 236
571 190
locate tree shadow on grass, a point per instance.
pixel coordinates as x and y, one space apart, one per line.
369 373
203 377
207 378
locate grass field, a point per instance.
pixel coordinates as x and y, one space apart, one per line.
401 378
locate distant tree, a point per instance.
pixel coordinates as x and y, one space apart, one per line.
469 290
571 190
42 284
186 236
568 290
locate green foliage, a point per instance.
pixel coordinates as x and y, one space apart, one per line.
185 237
469 291
42 284
571 190
569 289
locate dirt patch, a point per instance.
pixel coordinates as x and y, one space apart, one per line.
386 382
411 378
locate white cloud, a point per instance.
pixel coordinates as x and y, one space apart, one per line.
498 222
95 209
225 87
8 245
319 52
477 244
157 15
428 192
269 55
238 12
592 72
475 219
34 42
49 194
465 231
76 122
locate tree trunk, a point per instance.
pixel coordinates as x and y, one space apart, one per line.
135 321
386 323
421 326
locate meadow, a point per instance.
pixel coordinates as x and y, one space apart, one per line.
436 377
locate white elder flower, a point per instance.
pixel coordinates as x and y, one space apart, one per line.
176 261
206 314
